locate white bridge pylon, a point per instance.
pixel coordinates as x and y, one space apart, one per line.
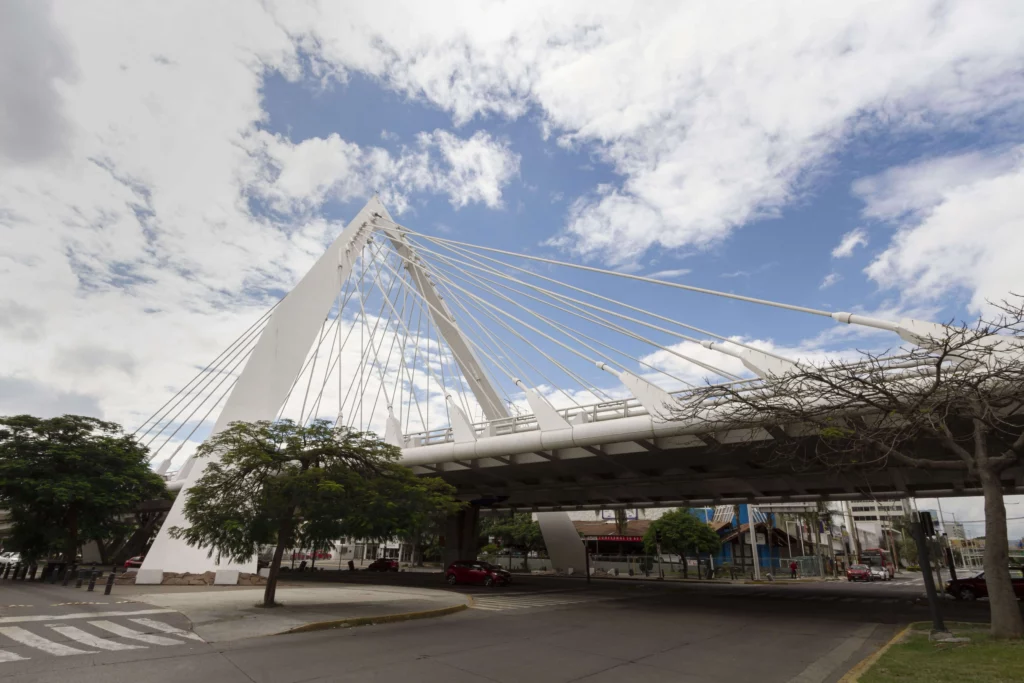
461 355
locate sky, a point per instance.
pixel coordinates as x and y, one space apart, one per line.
168 170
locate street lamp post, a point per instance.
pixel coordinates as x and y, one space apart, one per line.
753 541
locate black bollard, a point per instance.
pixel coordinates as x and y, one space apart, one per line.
68 571
110 582
54 573
17 570
32 573
80 579
92 580
7 570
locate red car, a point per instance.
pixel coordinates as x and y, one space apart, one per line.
858 572
383 565
974 587
134 562
474 571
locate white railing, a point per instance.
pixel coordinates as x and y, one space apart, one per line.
595 412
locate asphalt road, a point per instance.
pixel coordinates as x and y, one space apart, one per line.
537 630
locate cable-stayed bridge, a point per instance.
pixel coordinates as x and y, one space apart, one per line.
525 382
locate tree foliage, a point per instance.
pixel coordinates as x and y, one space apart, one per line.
68 479
285 484
517 530
680 532
954 401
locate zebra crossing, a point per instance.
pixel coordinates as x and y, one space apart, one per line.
517 601
52 635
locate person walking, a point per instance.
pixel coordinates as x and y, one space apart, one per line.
792 569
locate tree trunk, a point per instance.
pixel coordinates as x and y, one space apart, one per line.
1005 613
71 547
283 539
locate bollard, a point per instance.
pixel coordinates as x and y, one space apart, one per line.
7 570
54 574
92 580
18 570
80 579
32 574
110 582
68 571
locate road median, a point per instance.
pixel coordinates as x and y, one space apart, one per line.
221 615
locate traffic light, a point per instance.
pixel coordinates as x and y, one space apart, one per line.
927 524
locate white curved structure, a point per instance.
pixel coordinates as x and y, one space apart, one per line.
615 452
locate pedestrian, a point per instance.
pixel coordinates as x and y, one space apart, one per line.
792 569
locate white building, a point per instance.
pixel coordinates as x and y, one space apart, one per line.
874 511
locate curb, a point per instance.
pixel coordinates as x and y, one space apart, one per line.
385 619
854 674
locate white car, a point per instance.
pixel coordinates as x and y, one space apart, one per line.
879 573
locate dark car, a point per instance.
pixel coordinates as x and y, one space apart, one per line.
383 565
974 587
477 572
858 572
134 562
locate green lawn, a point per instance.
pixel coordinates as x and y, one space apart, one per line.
916 660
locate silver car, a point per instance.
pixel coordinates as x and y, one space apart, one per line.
879 573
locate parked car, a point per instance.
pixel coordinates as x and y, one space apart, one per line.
383 565
134 562
858 572
474 571
974 587
10 558
880 573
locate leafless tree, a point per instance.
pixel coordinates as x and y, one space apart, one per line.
954 401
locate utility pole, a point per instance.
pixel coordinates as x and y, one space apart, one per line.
753 541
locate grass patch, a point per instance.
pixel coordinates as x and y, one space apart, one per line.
917 660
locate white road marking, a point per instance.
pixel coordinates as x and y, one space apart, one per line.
89 640
126 632
81 615
166 628
20 635
6 656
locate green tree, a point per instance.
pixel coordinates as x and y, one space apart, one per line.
70 478
517 531
679 532
282 483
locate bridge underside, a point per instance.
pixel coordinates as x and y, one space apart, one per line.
651 474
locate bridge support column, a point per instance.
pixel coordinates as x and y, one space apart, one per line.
461 533
563 543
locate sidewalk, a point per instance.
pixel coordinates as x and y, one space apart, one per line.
221 613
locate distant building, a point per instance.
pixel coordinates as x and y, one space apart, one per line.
872 511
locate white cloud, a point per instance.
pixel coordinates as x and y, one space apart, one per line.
130 254
830 280
849 242
299 177
904 191
959 231
35 59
